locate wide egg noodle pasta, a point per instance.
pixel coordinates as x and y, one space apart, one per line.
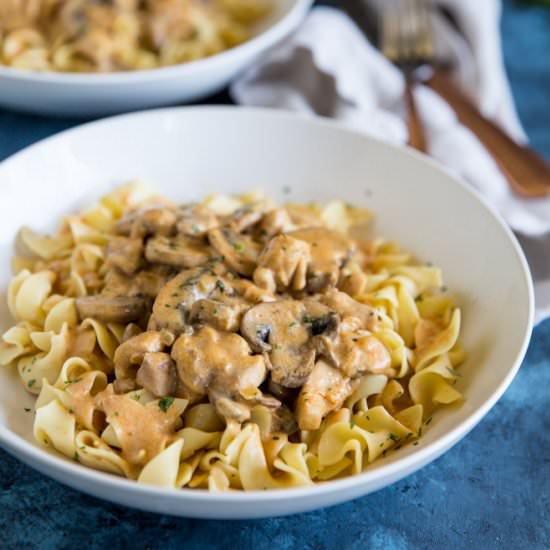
69 363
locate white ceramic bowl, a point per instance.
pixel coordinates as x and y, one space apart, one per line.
193 151
91 95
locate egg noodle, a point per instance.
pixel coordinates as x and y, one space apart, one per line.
283 369
121 35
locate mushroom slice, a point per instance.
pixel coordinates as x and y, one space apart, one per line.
240 252
329 251
325 390
130 354
172 305
125 253
195 220
346 306
220 365
158 374
111 309
283 330
180 251
283 264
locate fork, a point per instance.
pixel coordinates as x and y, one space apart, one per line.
406 40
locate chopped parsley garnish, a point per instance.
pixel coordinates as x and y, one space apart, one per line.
172 245
352 424
195 228
428 421
293 324
239 247
308 319
165 403
31 383
75 457
175 294
215 311
419 298
415 443
135 396
220 285
394 437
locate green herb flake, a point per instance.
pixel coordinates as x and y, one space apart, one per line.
220 285
239 247
195 228
75 457
135 396
394 437
428 421
307 319
352 424
165 403
419 298
175 294
415 443
454 372
31 383
215 311
293 324
115 413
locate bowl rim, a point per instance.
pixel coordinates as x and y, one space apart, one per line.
258 43
66 470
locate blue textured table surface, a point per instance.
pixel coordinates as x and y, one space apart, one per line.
490 491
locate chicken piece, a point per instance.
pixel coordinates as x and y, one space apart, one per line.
275 222
220 315
195 220
346 306
130 354
180 251
158 374
325 390
220 365
248 215
111 309
329 251
283 264
149 221
283 330
125 254
354 352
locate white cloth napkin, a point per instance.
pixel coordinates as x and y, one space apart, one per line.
328 68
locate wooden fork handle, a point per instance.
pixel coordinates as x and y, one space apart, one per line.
527 172
417 138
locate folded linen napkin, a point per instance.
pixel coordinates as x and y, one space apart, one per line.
328 68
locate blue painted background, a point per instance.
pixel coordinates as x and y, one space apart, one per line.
491 491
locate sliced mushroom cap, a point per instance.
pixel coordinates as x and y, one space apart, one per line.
125 254
325 390
173 303
180 251
329 251
158 374
283 329
240 252
111 309
283 264
220 364
195 220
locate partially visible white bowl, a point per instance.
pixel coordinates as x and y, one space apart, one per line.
189 152
90 95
